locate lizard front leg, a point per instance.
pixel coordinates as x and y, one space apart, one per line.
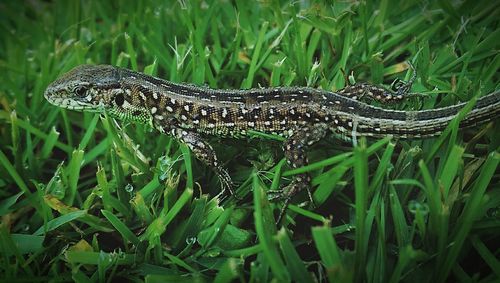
204 152
295 152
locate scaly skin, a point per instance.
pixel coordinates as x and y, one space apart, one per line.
301 115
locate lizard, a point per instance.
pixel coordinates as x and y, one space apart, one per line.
301 115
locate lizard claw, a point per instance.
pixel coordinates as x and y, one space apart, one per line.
226 182
288 192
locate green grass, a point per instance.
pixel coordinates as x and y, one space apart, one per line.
85 199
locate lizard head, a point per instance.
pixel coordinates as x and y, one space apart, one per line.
96 88
82 87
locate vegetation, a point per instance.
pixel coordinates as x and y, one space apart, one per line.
86 199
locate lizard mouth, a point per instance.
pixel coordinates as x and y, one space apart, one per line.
71 103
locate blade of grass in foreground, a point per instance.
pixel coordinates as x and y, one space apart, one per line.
36 132
124 146
61 220
450 169
186 153
398 218
13 173
8 248
338 158
489 257
121 227
229 271
209 237
330 255
381 171
361 191
159 225
88 133
28 243
247 83
294 263
50 142
266 229
89 219
469 214
73 173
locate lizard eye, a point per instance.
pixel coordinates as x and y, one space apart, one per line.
119 99
80 90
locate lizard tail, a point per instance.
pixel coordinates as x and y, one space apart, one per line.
427 123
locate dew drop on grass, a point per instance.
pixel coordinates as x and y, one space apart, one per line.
129 188
190 240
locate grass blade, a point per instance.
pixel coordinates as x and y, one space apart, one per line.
294 263
469 213
361 191
266 229
59 221
121 227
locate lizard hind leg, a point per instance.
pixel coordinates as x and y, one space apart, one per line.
399 91
295 152
204 152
